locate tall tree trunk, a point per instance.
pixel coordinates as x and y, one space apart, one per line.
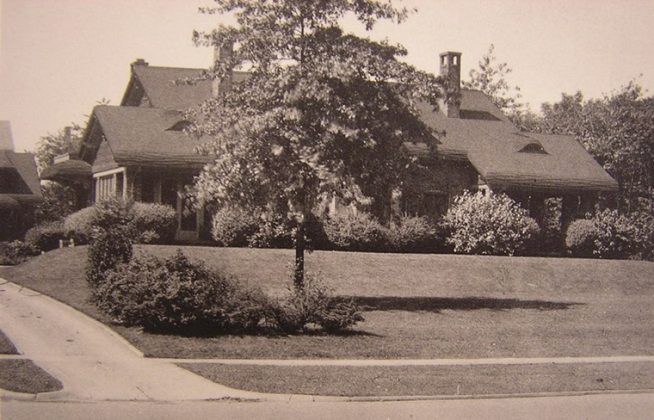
299 256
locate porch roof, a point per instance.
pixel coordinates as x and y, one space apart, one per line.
69 169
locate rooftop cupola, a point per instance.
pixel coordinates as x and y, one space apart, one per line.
451 73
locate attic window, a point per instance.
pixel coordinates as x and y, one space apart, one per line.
533 148
179 126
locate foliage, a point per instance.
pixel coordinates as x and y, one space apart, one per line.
79 225
45 236
58 202
180 296
618 131
313 304
233 226
491 78
610 234
581 236
66 140
355 231
153 222
111 242
413 234
489 224
15 252
323 112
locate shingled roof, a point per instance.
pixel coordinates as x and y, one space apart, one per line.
143 136
504 157
510 159
19 179
163 89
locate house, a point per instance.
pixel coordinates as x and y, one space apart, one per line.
20 190
139 150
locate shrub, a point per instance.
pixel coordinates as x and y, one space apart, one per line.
45 236
112 239
616 235
233 226
413 234
177 295
355 231
489 224
79 225
15 252
580 237
154 223
314 304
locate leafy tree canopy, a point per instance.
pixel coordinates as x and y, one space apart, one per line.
323 112
618 129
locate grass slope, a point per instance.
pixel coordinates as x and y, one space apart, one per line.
416 306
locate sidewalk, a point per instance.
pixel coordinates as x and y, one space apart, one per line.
93 362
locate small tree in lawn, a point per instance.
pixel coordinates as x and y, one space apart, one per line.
323 112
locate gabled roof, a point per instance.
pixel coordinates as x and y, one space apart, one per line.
162 91
505 157
140 136
20 176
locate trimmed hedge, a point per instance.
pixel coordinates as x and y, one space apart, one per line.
155 223
355 232
45 236
79 225
233 226
581 236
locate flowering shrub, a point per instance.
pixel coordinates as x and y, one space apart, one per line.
155 223
581 236
177 295
489 224
356 232
233 226
79 225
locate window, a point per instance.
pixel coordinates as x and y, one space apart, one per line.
110 185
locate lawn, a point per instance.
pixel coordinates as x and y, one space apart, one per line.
22 375
416 306
431 380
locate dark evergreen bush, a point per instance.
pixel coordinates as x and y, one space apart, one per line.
112 239
413 234
178 296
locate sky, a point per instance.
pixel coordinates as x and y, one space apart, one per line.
58 58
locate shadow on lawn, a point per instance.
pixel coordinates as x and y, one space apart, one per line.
437 304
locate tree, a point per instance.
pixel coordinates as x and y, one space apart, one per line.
491 78
322 113
66 140
618 130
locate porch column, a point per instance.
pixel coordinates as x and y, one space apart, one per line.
569 210
587 203
537 208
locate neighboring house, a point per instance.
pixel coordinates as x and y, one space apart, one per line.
138 150
20 190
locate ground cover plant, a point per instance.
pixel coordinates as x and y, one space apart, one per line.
6 346
414 305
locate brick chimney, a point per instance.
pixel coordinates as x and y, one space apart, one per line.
451 73
222 54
